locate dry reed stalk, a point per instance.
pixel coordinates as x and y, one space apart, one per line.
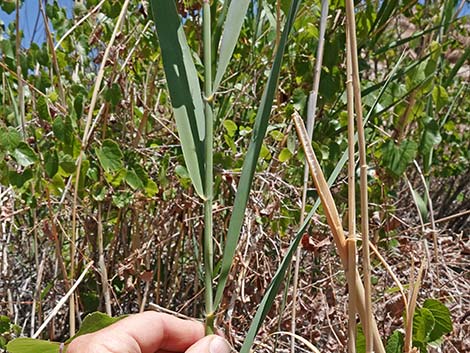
311 110
413 297
351 243
336 228
352 54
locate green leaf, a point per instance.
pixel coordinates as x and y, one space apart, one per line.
30 345
360 340
423 324
113 94
19 179
8 6
9 139
110 156
51 163
133 180
94 322
230 126
181 171
397 158
4 324
232 27
183 84
442 319
78 105
43 109
63 129
24 155
284 155
431 137
395 342
151 189
439 97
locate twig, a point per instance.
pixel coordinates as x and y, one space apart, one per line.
86 135
62 301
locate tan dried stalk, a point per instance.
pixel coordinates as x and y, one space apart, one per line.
352 53
351 244
312 107
336 228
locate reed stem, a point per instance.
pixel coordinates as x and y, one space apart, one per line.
351 242
208 187
368 319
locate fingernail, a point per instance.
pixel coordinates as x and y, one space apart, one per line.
219 345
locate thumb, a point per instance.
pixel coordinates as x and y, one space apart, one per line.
210 344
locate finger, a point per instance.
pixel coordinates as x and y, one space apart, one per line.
210 344
156 331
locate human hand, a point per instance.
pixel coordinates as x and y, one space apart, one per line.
150 332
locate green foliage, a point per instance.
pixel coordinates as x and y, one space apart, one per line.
143 177
7 331
395 342
397 158
183 84
29 345
92 323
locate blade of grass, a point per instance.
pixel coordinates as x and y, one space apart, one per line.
232 27
183 85
249 165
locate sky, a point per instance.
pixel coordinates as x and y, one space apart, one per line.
30 16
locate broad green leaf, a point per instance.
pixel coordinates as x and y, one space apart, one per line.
8 6
63 129
151 189
51 163
133 180
442 319
232 27
431 137
395 342
423 324
181 171
19 179
4 324
183 84
284 155
230 126
30 345
43 109
94 322
113 94
360 340
110 156
439 97
9 139
397 158
24 155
